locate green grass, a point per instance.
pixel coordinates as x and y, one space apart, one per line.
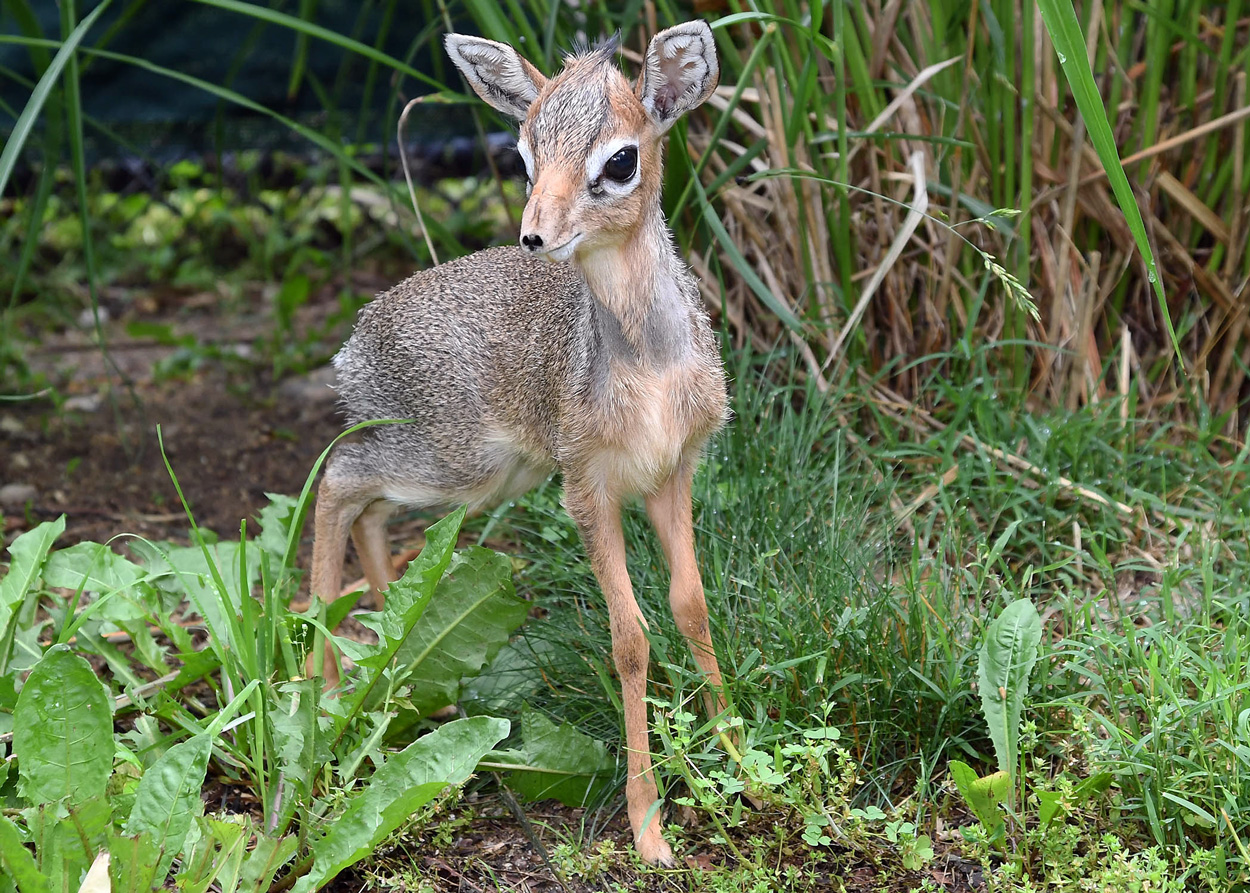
832 611
914 460
854 551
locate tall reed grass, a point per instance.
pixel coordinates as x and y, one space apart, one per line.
890 183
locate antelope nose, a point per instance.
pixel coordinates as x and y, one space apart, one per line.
532 241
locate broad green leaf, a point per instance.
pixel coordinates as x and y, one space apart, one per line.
63 731
168 797
275 526
26 558
297 742
560 762
407 781
406 601
132 868
27 554
17 865
95 567
66 845
983 796
1006 662
510 679
471 616
1049 805
263 862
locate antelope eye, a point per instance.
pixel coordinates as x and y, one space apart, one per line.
622 165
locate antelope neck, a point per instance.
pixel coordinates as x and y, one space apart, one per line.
640 297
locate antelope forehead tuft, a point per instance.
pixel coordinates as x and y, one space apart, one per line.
578 109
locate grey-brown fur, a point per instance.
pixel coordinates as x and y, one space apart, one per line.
496 342
587 352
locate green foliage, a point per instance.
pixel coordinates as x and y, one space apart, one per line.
1065 33
20 873
63 732
404 783
168 798
443 621
17 600
1165 712
1006 661
983 796
555 762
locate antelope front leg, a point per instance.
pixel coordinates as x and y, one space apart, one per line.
670 512
599 522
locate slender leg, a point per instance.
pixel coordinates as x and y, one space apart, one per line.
338 507
599 522
670 512
369 537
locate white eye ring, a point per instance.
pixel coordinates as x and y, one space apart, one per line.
596 160
527 157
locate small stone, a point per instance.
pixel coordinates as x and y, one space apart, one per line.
86 319
15 496
82 403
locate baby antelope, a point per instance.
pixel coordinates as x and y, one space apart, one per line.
585 350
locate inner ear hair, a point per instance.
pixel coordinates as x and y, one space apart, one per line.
679 73
497 73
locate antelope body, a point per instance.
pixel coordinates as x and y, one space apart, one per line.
585 350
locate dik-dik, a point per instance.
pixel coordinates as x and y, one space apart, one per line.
584 350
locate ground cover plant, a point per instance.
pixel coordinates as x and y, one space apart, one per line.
84 791
957 394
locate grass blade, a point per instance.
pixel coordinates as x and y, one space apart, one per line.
39 96
1065 33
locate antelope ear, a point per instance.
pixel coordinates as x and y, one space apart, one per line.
679 73
496 72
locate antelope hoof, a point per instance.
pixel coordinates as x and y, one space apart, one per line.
653 848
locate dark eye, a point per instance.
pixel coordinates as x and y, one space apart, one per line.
622 165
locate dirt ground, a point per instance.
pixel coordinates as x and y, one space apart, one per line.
96 458
231 434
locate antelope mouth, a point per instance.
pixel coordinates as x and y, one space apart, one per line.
562 252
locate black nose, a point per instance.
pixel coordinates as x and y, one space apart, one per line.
533 241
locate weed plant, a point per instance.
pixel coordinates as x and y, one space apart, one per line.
1006 381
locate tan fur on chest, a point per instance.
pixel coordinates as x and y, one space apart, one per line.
646 424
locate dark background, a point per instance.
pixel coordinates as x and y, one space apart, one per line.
135 112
